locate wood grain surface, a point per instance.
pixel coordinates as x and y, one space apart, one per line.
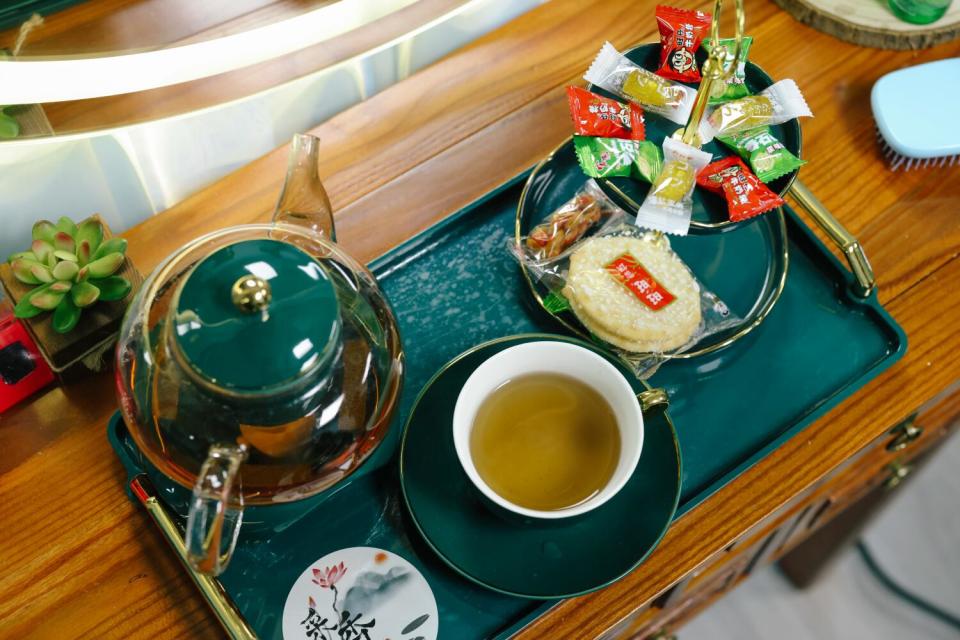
79 560
873 24
124 26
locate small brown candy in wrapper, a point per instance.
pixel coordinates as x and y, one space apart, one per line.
569 223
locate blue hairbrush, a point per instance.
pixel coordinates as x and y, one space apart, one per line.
917 111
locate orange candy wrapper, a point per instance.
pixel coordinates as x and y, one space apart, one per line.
681 32
594 115
746 195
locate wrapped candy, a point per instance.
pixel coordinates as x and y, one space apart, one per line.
681 32
569 223
767 156
649 161
605 157
746 195
669 203
614 72
724 90
774 105
615 157
594 115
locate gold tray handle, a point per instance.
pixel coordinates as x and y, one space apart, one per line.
213 592
848 244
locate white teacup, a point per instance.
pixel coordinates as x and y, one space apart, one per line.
552 357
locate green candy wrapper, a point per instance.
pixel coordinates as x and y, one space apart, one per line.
605 157
767 156
735 86
649 161
613 157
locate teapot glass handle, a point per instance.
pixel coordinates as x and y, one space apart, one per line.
303 200
216 510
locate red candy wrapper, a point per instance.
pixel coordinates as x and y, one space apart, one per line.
681 32
594 115
746 195
638 127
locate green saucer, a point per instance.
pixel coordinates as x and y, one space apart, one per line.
529 558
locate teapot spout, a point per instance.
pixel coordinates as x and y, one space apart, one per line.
303 200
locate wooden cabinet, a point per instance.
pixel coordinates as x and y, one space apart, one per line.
844 500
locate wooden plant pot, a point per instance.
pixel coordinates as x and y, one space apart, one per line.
89 346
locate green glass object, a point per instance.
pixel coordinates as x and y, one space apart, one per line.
919 11
256 350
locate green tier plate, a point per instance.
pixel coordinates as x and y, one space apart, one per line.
709 209
746 265
453 287
530 558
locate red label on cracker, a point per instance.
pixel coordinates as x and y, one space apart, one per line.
638 280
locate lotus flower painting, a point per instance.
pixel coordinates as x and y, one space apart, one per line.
360 593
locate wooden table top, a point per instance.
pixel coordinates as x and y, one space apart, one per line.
79 559
96 27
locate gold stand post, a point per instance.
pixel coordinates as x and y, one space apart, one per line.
713 70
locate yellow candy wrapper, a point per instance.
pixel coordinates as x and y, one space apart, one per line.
776 104
669 203
614 72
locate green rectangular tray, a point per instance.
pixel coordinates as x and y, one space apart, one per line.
454 286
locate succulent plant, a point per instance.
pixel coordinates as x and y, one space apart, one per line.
72 267
9 127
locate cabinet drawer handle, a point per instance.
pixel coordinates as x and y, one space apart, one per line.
904 435
898 471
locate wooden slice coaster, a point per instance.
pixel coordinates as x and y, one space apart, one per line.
871 23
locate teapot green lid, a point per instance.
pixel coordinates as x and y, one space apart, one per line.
257 315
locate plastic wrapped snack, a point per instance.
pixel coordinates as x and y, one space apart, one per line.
669 203
734 87
615 157
631 292
614 72
774 105
767 156
605 157
594 115
578 215
681 32
649 161
746 195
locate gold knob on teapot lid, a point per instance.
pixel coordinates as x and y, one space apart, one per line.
251 293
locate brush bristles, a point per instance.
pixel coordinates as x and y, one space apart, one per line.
898 160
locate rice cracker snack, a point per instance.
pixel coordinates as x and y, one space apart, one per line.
634 292
630 291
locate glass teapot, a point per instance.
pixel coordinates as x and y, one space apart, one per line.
259 364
